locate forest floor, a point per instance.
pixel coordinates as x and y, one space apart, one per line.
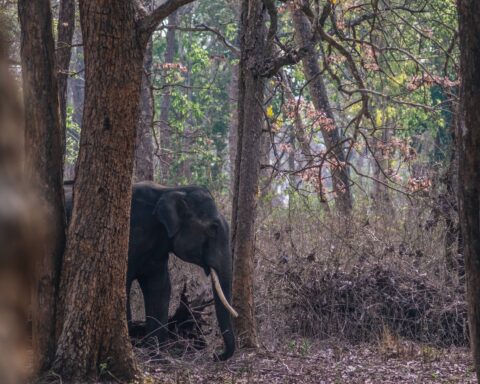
319 362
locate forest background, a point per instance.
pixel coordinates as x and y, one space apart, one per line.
357 232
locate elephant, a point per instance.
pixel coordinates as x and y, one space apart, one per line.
186 222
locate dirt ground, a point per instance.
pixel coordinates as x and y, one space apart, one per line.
321 362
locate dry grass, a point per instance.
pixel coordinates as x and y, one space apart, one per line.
320 278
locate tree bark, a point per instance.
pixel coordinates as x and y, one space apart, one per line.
92 318
469 163
66 27
247 167
44 139
318 93
166 157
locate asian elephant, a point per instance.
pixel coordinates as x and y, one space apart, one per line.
184 221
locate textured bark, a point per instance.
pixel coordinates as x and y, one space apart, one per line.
66 27
469 163
318 93
247 167
144 143
19 234
92 318
166 157
44 140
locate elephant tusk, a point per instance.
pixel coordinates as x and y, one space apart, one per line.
218 288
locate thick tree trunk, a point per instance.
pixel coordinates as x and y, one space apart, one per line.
144 143
247 166
469 163
331 135
44 140
93 320
166 157
66 27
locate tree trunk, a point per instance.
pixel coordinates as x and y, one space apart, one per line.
300 134
447 203
78 86
20 228
66 27
247 166
93 282
469 163
144 144
166 157
381 166
331 135
44 140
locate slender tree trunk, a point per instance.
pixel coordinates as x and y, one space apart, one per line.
144 143
44 140
93 298
247 167
469 163
166 157
186 138
78 86
381 166
331 135
301 136
447 204
66 27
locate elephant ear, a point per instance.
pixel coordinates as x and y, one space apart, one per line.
170 210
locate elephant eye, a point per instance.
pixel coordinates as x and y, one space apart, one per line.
212 229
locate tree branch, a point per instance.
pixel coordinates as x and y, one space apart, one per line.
205 28
148 23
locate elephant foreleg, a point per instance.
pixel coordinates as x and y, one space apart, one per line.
156 290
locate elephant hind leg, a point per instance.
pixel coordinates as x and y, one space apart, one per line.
129 308
156 290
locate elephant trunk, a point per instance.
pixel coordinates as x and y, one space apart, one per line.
222 292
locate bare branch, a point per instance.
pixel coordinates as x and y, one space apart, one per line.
272 65
149 22
205 28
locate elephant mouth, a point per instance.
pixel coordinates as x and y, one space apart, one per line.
221 296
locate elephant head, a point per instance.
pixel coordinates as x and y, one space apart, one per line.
199 234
